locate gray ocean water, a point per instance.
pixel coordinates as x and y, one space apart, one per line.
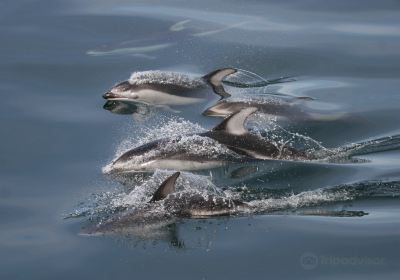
58 57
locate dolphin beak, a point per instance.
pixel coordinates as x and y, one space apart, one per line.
207 112
211 113
109 95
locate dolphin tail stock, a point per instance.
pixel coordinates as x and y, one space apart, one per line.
262 83
246 79
355 150
215 79
235 123
167 187
383 144
280 80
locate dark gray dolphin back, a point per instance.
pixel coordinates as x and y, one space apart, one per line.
215 80
167 187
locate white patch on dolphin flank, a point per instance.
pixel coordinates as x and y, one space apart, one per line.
150 96
178 164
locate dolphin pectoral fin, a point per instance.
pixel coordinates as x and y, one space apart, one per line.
167 187
215 80
234 124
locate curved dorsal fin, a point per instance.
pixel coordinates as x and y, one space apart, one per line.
215 80
234 124
167 187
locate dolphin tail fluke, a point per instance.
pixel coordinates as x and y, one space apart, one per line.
215 79
167 187
234 124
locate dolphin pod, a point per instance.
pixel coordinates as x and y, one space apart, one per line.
231 140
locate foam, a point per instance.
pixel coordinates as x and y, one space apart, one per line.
303 199
165 128
165 78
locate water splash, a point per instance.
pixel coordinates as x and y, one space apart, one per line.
102 204
173 127
165 78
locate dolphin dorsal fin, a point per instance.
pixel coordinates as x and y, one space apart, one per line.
215 80
234 124
167 187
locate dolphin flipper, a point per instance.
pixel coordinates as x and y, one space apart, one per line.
215 80
234 124
167 187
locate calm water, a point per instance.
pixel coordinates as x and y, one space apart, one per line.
58 57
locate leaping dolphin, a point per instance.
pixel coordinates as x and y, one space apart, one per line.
167 204
168 88
228 142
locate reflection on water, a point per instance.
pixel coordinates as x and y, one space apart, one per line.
120 107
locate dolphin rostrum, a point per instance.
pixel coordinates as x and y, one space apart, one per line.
228 142
168 88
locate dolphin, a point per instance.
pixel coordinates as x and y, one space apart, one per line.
165 206
274 106
194 204
160 88
228 142
283 107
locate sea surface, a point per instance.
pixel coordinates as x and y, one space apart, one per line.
336 218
